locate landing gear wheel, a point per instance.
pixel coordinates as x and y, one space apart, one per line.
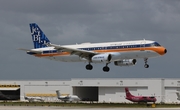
145 61
89 67
106 69
146 66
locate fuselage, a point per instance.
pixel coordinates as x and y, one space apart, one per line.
31 99
69 98
124 50
141 99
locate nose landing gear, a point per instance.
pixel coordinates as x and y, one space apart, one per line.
145 61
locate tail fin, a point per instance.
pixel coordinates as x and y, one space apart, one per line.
38 37
178 95
26 98
58 93
1 94
128 94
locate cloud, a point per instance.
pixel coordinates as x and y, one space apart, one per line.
78 21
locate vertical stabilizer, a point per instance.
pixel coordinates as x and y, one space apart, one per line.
38 37
58 94
178 95
3 96
128 94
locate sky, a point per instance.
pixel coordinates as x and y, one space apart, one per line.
79 21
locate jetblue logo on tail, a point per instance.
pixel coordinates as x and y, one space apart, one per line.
38 37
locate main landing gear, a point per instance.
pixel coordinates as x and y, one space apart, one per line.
105 68
146 65
89 67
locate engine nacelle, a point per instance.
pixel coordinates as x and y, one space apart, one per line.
106 58
125 62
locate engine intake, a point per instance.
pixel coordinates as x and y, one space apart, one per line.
125 62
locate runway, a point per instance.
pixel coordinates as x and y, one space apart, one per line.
77 108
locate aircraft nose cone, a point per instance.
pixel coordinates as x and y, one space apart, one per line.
165 50
161 50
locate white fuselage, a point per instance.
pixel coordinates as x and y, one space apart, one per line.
69 98
120 50
34 99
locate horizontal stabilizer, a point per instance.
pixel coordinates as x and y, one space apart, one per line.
30 50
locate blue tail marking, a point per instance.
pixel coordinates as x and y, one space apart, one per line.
38 37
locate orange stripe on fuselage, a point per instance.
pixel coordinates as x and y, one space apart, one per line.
52 54
159 50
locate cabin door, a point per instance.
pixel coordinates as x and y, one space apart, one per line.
142 45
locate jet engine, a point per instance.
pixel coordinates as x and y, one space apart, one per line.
125 62
101 58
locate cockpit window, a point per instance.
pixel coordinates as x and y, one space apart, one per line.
156 44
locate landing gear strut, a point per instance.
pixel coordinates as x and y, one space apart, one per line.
106 68
146 65
89 67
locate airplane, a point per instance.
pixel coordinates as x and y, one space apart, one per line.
139 99
178 95
121 53
33 99
9 96
66 98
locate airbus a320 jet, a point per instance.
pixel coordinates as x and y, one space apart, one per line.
122 53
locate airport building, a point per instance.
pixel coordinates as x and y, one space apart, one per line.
100 90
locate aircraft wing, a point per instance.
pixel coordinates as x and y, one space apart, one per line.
30 50
80 53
